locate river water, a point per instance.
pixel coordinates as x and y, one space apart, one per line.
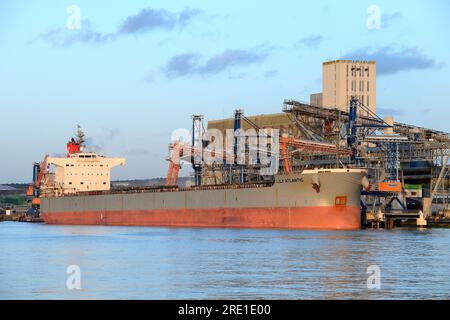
39 261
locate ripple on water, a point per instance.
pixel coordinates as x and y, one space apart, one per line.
168 263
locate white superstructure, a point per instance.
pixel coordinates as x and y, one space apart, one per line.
82 171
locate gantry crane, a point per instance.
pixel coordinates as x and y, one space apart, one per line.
307 145
180 150
34 188
176 153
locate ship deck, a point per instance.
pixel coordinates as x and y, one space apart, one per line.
159 189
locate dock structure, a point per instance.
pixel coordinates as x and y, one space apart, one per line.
413 159
408 165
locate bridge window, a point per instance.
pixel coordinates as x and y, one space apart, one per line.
341 201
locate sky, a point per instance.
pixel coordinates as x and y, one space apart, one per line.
131 72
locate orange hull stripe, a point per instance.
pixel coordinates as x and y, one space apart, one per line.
327 218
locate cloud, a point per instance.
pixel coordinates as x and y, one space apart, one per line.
93 145
312 41
271 73
387 19
182 65
149 19
146 20
98 145
389 111
189 63
186 16
64 37
391 61
228 58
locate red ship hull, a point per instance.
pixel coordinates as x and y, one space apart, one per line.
314 218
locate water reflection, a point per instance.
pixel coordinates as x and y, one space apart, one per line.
167 263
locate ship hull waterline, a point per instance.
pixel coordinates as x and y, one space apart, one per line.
314 218
291 203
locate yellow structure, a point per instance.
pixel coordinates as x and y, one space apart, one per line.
280 121
316 99
343 79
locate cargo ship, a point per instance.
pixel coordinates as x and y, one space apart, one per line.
79 192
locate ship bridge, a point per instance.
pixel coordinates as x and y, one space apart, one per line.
82 171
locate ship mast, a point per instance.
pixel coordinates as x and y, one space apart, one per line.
80 137
76 145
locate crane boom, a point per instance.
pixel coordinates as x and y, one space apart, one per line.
178 151
34 188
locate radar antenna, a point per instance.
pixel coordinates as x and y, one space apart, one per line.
80 137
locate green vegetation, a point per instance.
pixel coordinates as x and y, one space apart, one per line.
413 186
14 200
